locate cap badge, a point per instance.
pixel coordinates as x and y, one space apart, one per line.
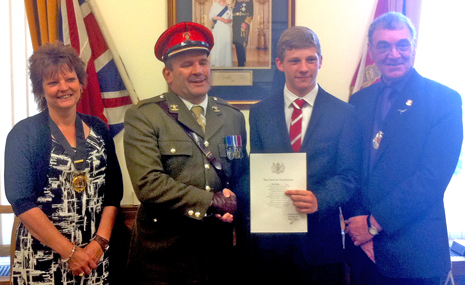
187 35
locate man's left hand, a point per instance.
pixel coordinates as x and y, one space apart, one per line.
357 228
304 200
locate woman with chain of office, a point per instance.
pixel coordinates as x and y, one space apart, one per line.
62 178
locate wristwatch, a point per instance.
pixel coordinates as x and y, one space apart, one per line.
103 242
371 229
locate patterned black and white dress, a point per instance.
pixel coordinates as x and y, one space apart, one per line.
75 215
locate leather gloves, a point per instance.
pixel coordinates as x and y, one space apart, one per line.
222 204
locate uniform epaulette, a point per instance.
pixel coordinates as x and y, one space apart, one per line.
152 100
159 98
223 102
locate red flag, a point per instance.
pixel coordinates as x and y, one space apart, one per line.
367 72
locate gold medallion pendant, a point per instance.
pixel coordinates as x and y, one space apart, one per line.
79 181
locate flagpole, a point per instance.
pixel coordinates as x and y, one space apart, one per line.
360 75
113 51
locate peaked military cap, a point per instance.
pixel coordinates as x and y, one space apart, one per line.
181 37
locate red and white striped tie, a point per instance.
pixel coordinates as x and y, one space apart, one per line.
295 132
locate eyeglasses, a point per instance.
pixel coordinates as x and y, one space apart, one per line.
401 46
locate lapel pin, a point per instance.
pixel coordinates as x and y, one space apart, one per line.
409 103
215 109
174 108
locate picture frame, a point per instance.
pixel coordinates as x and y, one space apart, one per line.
259 83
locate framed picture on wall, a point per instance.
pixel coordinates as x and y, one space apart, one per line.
246 33
242 43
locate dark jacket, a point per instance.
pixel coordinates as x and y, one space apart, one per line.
332 146
415 161
27 159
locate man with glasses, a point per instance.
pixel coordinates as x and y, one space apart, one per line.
412 134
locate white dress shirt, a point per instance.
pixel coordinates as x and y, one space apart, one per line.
204 105
307 109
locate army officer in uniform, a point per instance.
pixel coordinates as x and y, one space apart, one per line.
242 17
186 167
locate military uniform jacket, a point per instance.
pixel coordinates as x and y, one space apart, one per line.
172 240
243 9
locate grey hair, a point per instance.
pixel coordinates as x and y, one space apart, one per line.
391 21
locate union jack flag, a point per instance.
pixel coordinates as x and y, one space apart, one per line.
105 95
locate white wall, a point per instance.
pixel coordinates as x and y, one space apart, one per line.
135 26
342 27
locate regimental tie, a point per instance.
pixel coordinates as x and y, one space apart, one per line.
197 110
383 106
295 132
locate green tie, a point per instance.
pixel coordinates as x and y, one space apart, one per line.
197 110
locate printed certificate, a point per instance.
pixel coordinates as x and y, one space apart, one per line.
270 175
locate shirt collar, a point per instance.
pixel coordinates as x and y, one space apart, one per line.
290 97
399 85
203 104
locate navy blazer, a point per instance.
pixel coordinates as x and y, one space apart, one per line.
332 145
414 163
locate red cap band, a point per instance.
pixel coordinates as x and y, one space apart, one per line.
181 37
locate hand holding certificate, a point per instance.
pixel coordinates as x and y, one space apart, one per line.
272 211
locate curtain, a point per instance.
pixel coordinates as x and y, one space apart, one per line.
43 16
440 23
17 101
